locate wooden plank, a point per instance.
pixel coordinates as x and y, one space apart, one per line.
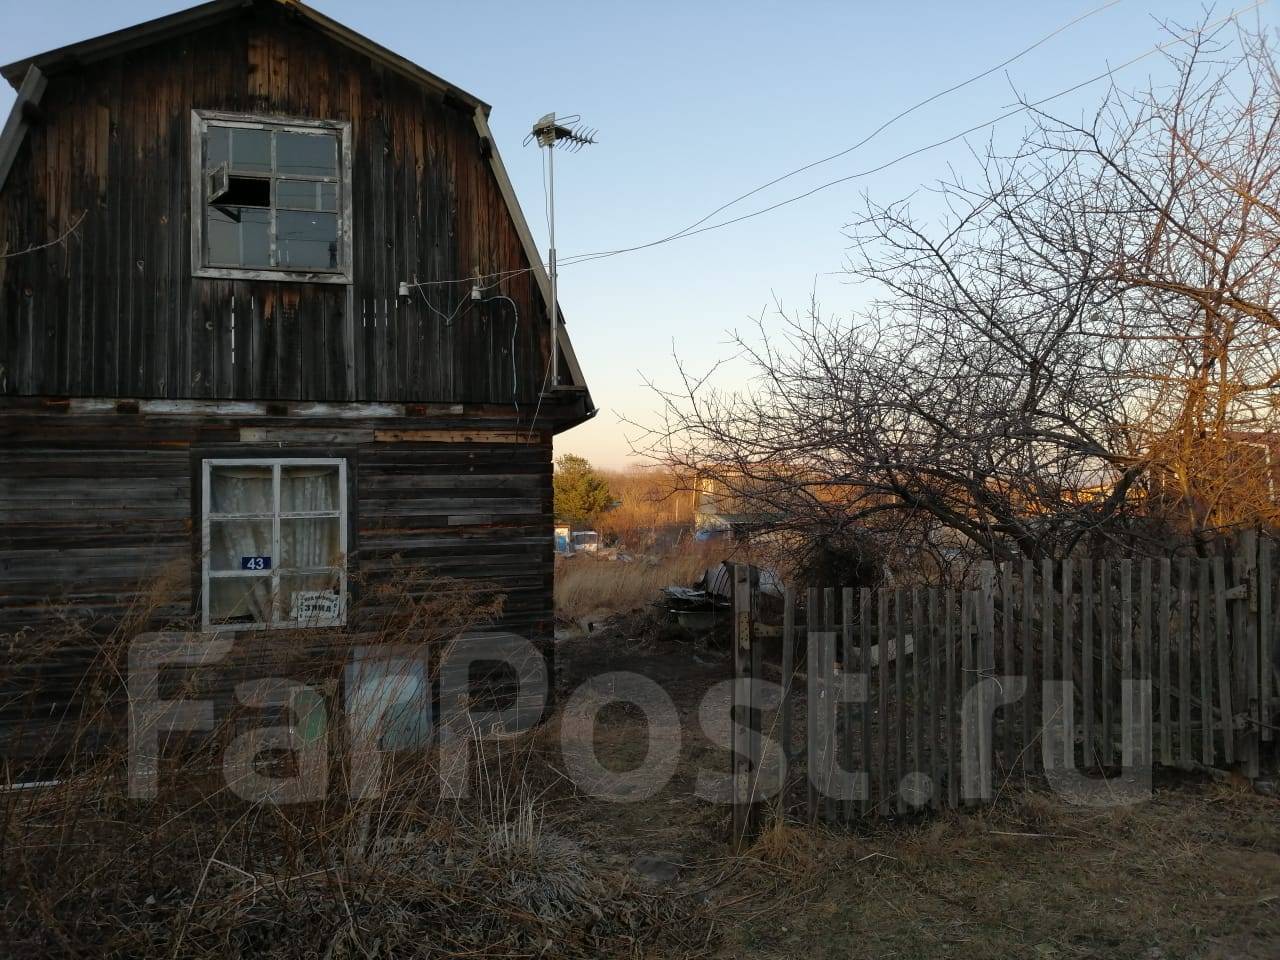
742 706
755 813
1008 666
1163 652
1142 666
813 659
899 694
1223 653
1032 698
1127 731
1048 614
950 731
1068 667
918 702
787 705
1246 614
967 603
882 766
1106 642
830 802
1186 755
1203 574
1089 753
1266 639
985 662
848 709
933 700
864 667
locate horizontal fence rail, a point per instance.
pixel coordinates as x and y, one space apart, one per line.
1075 669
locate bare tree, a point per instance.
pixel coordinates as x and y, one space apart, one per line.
1070 356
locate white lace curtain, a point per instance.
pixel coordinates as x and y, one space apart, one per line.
305 543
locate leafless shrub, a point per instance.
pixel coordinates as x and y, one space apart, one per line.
1073 357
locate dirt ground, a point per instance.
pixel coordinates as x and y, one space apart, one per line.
1194 872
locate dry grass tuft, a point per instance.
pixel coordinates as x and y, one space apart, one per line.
200 871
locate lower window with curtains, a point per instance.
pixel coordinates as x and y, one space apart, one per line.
274 543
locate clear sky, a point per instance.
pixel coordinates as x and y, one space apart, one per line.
697 102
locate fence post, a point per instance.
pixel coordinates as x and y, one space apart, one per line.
864 664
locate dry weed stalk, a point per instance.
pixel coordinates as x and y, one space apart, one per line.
403 870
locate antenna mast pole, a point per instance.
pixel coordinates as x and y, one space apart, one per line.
551 231
548 132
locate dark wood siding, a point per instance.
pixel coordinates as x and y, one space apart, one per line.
115 312
95 508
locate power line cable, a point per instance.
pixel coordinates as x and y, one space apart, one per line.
902 115
586 257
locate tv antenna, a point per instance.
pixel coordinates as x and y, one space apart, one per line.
568 133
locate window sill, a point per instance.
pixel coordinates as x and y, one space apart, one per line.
282 276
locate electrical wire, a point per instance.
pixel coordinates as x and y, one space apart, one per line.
900 116
1023 108
515 325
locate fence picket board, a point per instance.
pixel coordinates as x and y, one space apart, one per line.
787 705
918 702
864 664
1142 666
1088 755
953 768
1047 614
812 667
934 701
1106 642
1166 599
1266 638
1227 721
1127 733
966 673
1246 608
1008 667
1068 668
746 753
1206 664
882 636
1186 755
847 707
1030 701
830 713
899 706
985 667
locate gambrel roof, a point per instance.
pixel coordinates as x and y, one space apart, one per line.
29 76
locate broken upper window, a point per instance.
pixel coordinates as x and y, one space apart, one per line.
271 198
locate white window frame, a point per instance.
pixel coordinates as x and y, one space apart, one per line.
200 267
278 621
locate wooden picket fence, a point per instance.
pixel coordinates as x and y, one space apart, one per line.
1171 661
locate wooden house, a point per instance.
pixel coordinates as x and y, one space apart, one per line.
269 310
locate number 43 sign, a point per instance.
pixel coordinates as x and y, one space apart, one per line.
255 563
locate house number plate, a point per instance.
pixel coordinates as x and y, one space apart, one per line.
255 563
